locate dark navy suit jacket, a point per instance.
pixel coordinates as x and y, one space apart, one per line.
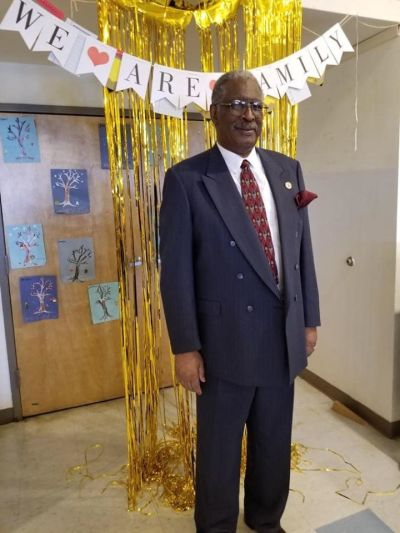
217 288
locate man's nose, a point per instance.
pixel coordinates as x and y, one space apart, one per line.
248 113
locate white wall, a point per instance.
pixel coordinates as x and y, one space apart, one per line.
48 85
5 388
356 215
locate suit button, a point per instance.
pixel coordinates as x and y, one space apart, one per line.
239 275
295 298
297 234
296 266
250 308
232 243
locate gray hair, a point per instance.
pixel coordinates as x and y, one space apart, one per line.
219 87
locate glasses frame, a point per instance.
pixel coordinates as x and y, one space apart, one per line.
244 104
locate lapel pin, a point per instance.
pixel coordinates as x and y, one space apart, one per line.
288 185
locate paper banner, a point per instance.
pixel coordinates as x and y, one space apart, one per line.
298 95
97 58
78 51
134 74
193 89
59 38
167 83
27 18
321 55
337 42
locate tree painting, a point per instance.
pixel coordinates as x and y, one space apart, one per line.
76 258
20 142
27 240
104 302
19 132
42 290
26 247
70 190
104 292
38 298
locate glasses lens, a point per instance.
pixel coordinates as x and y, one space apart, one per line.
238 106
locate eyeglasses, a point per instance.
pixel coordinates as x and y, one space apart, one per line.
239 106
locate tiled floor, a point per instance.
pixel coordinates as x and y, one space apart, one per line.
36 497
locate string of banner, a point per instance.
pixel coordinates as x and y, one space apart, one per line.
44 28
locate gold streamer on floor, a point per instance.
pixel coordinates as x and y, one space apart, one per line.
232 34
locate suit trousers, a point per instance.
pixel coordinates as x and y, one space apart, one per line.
223 410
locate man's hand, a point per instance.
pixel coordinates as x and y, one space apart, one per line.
189 370
311 340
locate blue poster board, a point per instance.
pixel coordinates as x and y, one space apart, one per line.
70 191
25 245
19 139
38 298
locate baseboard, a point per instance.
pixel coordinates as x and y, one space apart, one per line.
7 415
389 429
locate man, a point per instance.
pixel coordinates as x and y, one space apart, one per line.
241 303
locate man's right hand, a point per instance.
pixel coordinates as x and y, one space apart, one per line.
189 370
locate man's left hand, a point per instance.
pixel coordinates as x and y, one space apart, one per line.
311 340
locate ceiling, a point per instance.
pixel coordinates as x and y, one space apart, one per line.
13 48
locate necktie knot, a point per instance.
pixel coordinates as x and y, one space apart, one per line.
245 165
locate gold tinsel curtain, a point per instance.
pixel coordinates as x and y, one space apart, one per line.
233 34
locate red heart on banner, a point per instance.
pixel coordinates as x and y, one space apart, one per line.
97 57
212 83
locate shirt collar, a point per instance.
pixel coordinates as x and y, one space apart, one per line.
233 161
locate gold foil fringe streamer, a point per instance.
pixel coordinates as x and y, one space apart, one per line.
156 143
166 481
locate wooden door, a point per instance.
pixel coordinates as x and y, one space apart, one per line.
67 361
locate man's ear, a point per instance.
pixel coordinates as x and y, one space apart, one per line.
213 113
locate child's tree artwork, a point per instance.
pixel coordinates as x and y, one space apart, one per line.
70 191
19 139
26 246
76 259
38 298
104 302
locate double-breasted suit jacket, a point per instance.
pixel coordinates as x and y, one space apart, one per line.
218 292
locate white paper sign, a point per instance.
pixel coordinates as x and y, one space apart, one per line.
167 83
164 107
337 42
298 95
27 18
134 74
96 57
58 37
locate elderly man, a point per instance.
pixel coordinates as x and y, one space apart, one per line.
241 302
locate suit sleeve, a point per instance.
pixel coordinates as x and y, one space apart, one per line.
176 252
307 269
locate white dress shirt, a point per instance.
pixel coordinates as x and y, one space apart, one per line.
233 162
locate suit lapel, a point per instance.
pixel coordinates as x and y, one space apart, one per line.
284 202
228 202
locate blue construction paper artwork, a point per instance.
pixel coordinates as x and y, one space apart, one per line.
19 139
26 246
104 302
38 298
70 190
105 162
76 258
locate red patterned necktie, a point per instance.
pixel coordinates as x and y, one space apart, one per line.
256 210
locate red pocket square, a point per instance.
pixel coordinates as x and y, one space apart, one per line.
303 198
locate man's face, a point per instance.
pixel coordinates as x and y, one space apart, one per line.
238 132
